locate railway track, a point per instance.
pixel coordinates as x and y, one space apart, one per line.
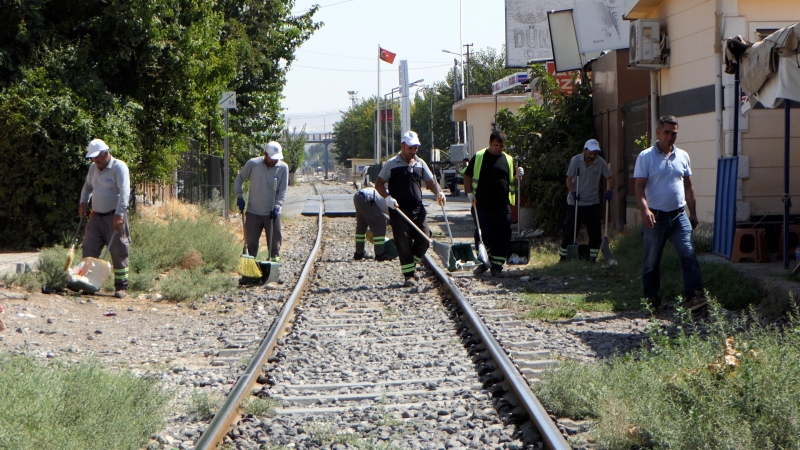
354 359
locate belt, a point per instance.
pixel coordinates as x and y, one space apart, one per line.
672 213
99 214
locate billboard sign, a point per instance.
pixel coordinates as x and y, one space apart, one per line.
509 82
527 30
600 26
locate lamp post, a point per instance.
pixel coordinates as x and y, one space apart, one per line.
396 89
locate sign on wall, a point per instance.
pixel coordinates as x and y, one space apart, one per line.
527 30
600 26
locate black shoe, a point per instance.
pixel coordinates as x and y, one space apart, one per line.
697 301
497 272
384 257
480 270
562 259
410 281
361 255
654 302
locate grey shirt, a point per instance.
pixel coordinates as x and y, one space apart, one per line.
588 180
267 185
665 174
109 189
372 196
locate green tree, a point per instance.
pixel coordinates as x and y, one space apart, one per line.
485 67
545 137
293 143
355 132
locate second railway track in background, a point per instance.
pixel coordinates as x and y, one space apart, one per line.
367 362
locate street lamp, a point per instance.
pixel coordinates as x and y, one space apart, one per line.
396 89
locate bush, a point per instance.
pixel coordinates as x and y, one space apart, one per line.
50 273
738 388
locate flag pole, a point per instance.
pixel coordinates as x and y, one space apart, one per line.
378 112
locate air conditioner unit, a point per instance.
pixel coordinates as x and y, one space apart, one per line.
645 42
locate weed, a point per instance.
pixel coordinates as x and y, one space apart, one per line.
204 404
259 406
50 273
189 285
76 405
735 388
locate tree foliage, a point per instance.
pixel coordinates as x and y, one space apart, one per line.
143 75
293 143
545 137
485 67
354 133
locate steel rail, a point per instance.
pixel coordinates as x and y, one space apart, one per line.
539 416
228 412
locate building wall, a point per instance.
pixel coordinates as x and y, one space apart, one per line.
479 112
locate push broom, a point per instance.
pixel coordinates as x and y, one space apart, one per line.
442 250
247 266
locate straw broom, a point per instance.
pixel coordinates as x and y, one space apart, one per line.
71 252
247 266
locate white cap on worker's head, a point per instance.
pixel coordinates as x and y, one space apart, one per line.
95 147
274 150
410 138
592 145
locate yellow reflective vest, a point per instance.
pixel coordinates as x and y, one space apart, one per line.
477 172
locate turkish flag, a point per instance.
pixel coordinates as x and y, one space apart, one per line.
387 56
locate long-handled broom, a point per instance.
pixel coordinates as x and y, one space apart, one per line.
442 250
247 266
71 253
604 247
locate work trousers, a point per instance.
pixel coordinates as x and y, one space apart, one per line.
678 230
411 246
589 215
496 232
369 215
254 225
99 233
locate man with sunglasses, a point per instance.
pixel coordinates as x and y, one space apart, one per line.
664 192
404 175
108 184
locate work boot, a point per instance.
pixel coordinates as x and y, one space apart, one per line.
384 257
121 294
562 259
497 272
654 302
410 281
697 301
480 270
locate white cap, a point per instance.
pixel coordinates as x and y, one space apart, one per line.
410 138
274 150
592 145
95 147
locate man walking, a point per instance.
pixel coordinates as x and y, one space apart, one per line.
404 175
664 191
588 167
370 210
492 170
269 178
108 185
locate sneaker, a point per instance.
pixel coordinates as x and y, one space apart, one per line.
384 257
480 270
121 294
410 281
498 272
697 301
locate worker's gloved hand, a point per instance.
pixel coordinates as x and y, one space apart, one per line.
471 198
608 196
440 198
520 172
575 196
276 211
391 203
240 204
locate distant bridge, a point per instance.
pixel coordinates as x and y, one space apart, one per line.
318 138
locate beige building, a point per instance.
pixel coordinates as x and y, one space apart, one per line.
479 111
695 88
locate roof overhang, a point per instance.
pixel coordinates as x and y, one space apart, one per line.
460 107
640 9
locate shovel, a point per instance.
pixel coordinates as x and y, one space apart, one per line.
443 251
573 250
604 247
519 247
483 255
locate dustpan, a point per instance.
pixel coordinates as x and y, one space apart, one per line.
453 263
390 249
90 274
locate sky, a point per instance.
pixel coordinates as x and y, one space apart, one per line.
343 55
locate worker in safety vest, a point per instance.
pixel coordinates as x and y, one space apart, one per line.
489 184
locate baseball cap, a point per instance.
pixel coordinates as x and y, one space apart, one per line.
410 138
95 147
592 145
274 150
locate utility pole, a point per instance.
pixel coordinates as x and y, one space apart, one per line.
467 76
455 92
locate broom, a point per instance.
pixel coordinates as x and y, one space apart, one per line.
71 253
604 247
247 266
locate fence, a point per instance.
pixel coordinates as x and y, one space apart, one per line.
199 177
